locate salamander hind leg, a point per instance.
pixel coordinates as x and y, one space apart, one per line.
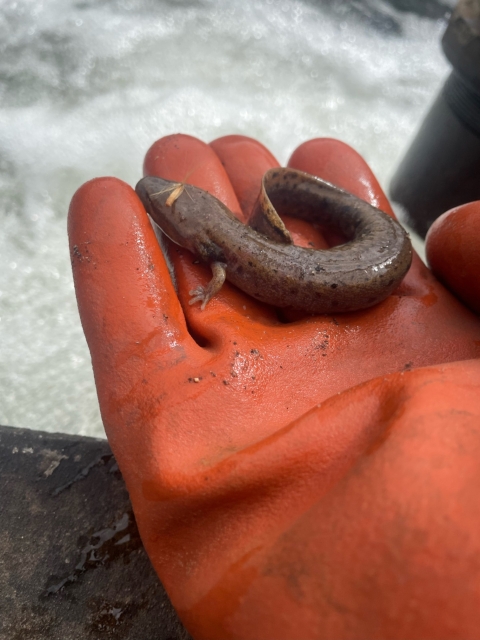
204 294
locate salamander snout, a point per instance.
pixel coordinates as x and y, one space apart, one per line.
149 186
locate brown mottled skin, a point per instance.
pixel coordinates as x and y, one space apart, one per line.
261 259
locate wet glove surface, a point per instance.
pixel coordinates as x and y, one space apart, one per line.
453 252
292 477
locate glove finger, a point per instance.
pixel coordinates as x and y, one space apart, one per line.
453 252
125 295
245 160
187 159
341 165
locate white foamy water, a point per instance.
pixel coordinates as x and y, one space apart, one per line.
87 85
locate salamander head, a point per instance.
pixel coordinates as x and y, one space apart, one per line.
186 214
170 206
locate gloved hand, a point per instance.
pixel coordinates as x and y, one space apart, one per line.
287 483
453 252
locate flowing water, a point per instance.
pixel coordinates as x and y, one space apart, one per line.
87 85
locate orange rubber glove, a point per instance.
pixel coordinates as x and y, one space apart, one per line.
289 479
453 252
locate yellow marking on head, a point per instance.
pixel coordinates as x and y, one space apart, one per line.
176 193
177 188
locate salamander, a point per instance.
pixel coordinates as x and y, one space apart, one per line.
261 259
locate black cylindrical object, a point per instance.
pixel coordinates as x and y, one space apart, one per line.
441 169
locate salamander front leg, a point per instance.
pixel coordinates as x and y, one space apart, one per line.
204 294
